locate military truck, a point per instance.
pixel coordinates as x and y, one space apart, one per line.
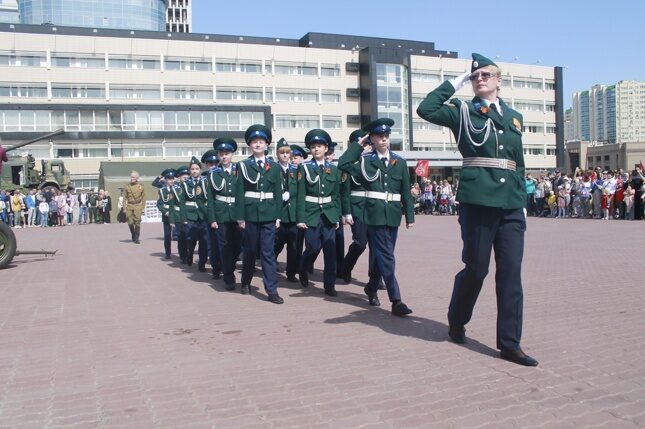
20 172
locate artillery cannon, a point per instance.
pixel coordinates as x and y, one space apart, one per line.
8 242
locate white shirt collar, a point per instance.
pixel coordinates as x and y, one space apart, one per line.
263 159
381 156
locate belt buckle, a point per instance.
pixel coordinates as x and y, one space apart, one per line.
388 197
261 195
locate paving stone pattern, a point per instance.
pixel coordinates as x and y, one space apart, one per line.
108 334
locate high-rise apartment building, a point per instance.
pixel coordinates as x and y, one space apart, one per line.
179 16
9 11
133 95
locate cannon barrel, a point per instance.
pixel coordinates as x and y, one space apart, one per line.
34 140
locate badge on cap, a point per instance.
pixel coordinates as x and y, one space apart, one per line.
475 64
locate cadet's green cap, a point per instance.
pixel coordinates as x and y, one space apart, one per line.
210 157
169 173
281 143
257 131
332 147
317 136
194 160
225 144
183 170
299 151
356 135
480 61
380 126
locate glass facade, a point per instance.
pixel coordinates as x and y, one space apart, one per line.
120 14
392 101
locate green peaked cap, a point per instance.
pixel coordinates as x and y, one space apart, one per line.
480 61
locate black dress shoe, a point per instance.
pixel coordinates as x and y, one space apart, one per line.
518 357
347 276
183 262
245 290
304 278
202 269
230 286
457 334
292 278
189 262
167 256
216 276
276 299
400 309
331 292
373 298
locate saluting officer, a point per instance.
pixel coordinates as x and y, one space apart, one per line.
134 199
386 179
194 215
287 234
211 160
169 204
259 204
492 196
221 184
319 208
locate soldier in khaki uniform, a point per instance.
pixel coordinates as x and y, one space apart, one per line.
492 196
134 198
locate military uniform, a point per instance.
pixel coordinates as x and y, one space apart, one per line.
259 204
387 196
221 185
134 197
319 208
287 234
214 247
169 204
180 232
194 217
492 197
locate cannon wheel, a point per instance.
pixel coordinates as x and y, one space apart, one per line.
7 245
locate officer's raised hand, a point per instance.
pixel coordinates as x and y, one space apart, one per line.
460 81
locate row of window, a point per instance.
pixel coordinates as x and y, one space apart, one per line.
96 61
150 92
507 81
520 105
527 128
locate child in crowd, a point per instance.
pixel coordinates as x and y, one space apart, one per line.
562 201
553 203
43 208
628 199
604 204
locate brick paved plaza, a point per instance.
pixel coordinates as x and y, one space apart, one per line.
108 334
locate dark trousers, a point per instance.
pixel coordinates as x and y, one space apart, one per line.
196 233
359 243
214 249
167 238
229 240
182 248
340 250
483 229
321 237
382 262
287 235
259 238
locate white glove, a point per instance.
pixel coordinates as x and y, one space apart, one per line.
348 219
285 196
459 81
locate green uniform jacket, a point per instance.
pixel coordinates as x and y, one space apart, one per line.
356 202
221 184
393 179
251 179
289 184
169 203
486 186
194 203
314 183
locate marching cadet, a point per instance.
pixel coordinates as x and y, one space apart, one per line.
194 215
169 204
259 204
319 208
386 179
211 160
221 183
492 197
134 198
298 156
287 234
180 231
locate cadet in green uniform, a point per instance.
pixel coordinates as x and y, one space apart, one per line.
169 204
134 198
287 234
259 205
221 183
179 233
211 159
194 215
492 196
319 208
386 179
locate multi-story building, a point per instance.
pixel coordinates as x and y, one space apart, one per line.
131 95
179 16
9 11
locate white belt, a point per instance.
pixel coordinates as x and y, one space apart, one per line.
166 206
260 195
191 203
478 161
318 200
358 194
386 196
225 199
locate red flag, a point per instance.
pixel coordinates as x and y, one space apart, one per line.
423 168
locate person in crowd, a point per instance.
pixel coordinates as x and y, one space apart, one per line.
71 206
30 202
17 205
83 210
61 202
637 182
53 209
628 200
133 202
530 184
605 203
107 207
91 206
43 208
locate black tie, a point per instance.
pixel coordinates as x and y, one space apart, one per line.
493 106
384 159
260 163
320 167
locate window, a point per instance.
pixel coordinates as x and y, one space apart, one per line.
550 107
249 94
23 90
425 76
306 69
533 128
286 121
142 92
135 63
187 64
330 70
425 126
77 61
188 93
78 91
233 66
527 83
551 129
296 95
528 106
549 85
330 97
332 122
24 59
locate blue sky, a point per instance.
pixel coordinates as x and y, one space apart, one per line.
597 41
